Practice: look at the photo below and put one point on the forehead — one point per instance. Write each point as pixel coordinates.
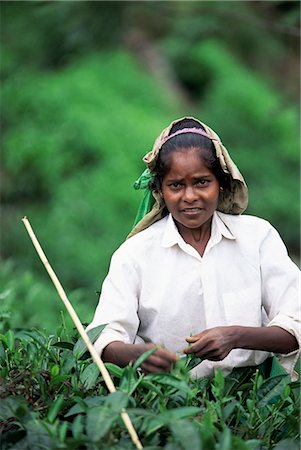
(187, 162)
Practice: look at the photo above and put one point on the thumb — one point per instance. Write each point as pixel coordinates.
(191, 339)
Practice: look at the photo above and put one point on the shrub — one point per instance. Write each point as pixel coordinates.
(53, 397)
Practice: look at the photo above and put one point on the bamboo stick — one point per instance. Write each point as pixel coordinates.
(96, 358)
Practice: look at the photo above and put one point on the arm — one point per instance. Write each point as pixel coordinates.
(118, 303)
(122, 354)
(216, 343)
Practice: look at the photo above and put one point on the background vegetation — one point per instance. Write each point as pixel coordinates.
(87, 86)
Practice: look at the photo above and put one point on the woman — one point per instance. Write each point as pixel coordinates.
(195, 276)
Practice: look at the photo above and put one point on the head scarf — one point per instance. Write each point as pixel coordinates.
(232, 200)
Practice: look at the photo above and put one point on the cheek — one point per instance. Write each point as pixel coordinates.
(216, 193)
(170, 199)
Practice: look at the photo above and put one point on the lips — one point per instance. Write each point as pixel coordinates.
(191, 210)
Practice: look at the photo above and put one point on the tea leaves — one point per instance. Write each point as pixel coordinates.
(53, 397)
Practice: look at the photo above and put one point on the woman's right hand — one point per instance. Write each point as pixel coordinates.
(122, 354)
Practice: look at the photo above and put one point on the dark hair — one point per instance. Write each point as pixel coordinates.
(185, 141)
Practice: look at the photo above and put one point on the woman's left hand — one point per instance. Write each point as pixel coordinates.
(213, 344)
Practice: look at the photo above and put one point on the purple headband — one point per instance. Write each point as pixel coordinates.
(188, 130)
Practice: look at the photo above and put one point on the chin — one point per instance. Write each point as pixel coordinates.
(192, 222)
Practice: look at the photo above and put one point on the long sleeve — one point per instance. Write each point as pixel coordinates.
(118, 303)
(280, 292)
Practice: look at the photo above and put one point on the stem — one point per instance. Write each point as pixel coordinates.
(255, 388)
(96, 358)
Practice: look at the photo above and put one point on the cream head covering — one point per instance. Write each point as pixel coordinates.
(232, 200)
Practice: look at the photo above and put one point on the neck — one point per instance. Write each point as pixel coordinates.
(196, 237)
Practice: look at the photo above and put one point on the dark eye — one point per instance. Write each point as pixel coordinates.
(202, 182)
(175, 185)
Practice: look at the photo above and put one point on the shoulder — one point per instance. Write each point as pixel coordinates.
(254, 234)
(144, 242)
(244, 222)
(252, 229)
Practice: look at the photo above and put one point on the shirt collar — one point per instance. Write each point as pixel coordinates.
(172, 236)
(221, 225)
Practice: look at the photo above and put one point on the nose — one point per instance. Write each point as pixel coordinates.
(190, 194)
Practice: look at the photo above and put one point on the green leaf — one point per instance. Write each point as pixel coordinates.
(80, 348)
(63, 427)
(229, 408)
(187, 434)
(143, 357)
(100, 419)
(58, 379)
(84, 404)
(89, 376)
(63, 344)
(287, 444)
(9, 406)
(55, 408)
(271, 388)
(10, 340)
(170, 416)
(219, 380)
(114, 369)
(55, 370)
(38, 436)
(169, 380)
(150, 386)
(77, 426)
(224, 440)
(99, 422)
(191, 361)
(130, 385)
(3, 339)
(129, 380)
(237, 443)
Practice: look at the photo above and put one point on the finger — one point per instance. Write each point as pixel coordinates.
(188, 350)
(152, 366)
(146, 369)
(212, 357)
(166, 355)
(215, 355)
(195, 348)
(164, 361)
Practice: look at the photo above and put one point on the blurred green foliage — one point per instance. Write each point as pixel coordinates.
(81, 107)
(72, 150)
(261, 132)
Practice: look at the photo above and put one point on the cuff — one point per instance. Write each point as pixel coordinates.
(289, 360)
(107, 337)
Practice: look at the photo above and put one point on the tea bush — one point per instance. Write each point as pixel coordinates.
(52, 397)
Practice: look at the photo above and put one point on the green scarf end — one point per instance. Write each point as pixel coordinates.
(143, 180)
(148, 200)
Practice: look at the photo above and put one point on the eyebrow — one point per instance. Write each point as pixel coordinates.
(207, 175)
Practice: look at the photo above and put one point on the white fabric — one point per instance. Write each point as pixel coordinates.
(159, 289)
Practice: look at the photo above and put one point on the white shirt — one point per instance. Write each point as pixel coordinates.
(159, 289)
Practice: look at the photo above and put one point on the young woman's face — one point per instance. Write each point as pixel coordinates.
(190, 190)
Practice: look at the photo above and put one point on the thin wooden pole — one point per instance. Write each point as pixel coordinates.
(96, 358)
